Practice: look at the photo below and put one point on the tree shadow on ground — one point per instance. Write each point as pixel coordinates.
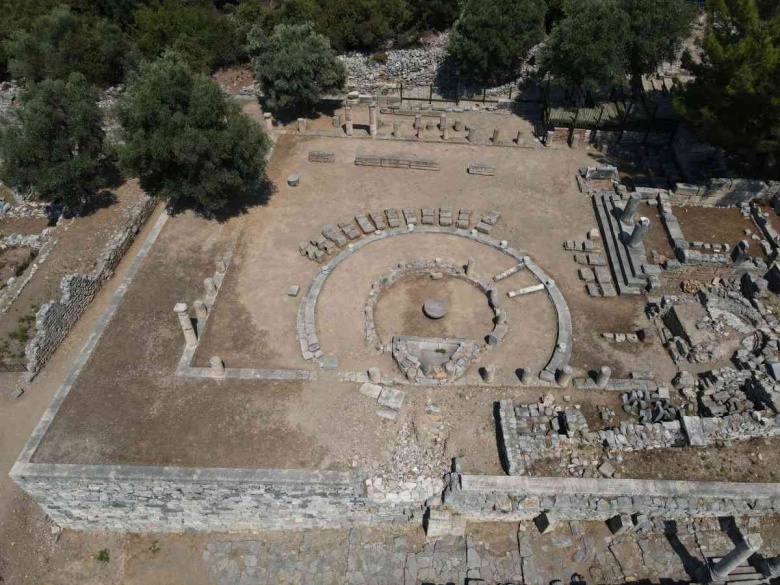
(257, 197)
(101, 200)
(325, 108)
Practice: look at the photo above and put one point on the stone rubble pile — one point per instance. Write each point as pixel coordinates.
(650, 406)
(23, 209)
(412, 67)
(720, 392)
(418, 67)
(32, 241)
(418, 453)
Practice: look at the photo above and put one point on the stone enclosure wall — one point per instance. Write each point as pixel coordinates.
(146, 499)
(171, 499)
(55, 319)
(511, 499)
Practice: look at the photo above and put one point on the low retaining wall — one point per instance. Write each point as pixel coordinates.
(513, 499)
(724, 192)
(55, 319)
(135, 498)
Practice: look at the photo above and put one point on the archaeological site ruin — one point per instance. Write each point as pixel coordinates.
(438, 318)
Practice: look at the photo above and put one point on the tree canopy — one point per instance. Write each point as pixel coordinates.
(733, 100)
(295, 65)
(57, 149)
(597, 42)
(203, 36)
(657, 31)
(183, 138)
(585, 48)
(491, 38)
(63, 42)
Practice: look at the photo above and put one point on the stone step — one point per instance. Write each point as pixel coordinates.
(626, 265)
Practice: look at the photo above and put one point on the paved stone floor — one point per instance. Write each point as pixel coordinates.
(489, 553)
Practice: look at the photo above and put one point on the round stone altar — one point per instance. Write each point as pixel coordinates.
(435, 308)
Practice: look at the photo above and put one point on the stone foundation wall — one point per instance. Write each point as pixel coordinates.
(512, 499)
(173, 499)
(723, 192)
(55, 319)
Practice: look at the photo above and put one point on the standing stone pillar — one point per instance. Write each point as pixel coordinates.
(564, 376)
(527, 377)
(496, 136)
(575, 140)
(190, 337)
(217, 367)
(738, 555)
(458, 126)
(472, 134)
(420, 129)
(374, 375)
(771, 567)
(739, 255)
(417, 121)
(220, 265)
(269, 122)
(201, 312)
(372, 123)
(630, 209)
(211, 287)
(603, 377)
(470, 267)
(445, 132)
(489, 373)
(442, 122)
(301, 125)
(337, 121)
(548, 141)
(520, 141)
(638, 235)
(348, 119)
(396, 128)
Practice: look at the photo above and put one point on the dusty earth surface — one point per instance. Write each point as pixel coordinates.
(149, 415)
(399, 310)
(715, 225)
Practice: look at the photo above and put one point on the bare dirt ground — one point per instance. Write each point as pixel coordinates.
(399, 309)
(149, 415)
(233, 79)
(656, 238)
(714, 225)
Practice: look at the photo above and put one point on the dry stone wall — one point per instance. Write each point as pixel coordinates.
(512, 499)
(173, 499)
(55, 319)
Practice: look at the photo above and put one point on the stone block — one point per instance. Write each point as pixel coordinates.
(371, 390)
(694, 431)
(391, 398)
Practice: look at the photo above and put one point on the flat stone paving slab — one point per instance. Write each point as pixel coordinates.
(391, 398)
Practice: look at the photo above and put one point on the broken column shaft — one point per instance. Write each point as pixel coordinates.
(190, 337)
(638, 235)
(738, 555)
(631, 206)
(603, 376)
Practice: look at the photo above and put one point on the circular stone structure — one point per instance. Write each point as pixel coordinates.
(307, 321)
(435, 308)
(293, 180)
